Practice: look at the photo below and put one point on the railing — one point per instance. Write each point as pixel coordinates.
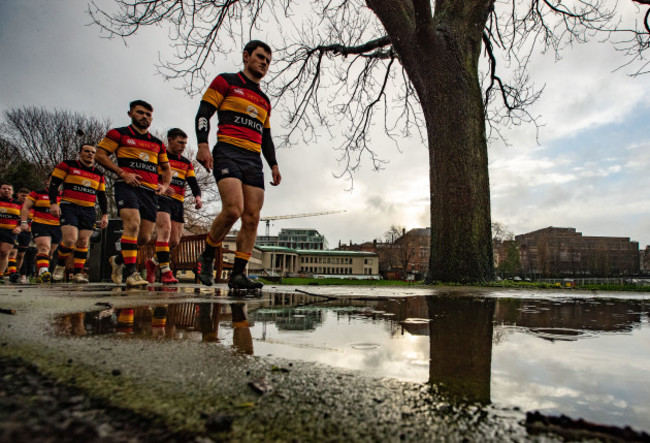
(184, 256)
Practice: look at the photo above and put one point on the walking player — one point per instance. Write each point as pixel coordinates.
(83, 186)
(138, 155)
(170, 217)
(9, 219)
(244, 131)
(45, 229)
(17, 254)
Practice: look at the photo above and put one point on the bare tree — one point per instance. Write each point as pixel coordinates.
(412, 65)
(44, 137)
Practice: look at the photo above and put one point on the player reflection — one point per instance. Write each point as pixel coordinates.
(208, 316)
(461, 347)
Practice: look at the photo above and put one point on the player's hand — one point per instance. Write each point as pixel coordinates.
(198, 203)
(24, 227)
(204, 156)
(162, 189)
(103, 222)
(55, 210)
(131, 179)
(277, 177)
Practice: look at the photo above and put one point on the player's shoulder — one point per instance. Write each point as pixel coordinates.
(155, 139)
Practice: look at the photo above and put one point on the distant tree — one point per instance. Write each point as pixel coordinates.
(21, 175)
(45, 137)
(500, 232)
(511, 265)
(413, 65)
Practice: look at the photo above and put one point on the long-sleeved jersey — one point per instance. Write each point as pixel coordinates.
(182, 173)
(82, 185)
(41, 208)
(244, 113)
(136, 153)
(9, 213)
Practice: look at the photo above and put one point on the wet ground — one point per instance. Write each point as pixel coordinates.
(313, 363)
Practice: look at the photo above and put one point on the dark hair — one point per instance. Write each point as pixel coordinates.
(6, 183)
(142, 103)
(81, 146)
(176, 132)
(252, 45)
(23, 191)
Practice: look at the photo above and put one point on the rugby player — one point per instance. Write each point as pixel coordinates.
(170, 218)
(138, 155)
(83, 187)
(9, 224)
(17, 254)
(45, 228)
(243, 133)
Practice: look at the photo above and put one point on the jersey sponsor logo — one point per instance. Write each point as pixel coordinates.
(142, 166)
(248, 122)
(251, 111)
(76, 172)
(174, 173)
(130, 141)
(3, 210)
(143, 156)
(86, 183)
(203, 124)
(178, 181)
(239, 91)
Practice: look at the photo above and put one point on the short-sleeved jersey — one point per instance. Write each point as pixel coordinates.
(136, 153)
(182, 169)
(41, 208)
(9, 213)
(244, 111)
(81, 183)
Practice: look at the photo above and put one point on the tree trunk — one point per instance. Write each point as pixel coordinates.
(440, 55)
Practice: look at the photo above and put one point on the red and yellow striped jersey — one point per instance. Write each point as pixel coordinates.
(80, 182)
(182, 170)
(41, 208)
(136, 153)
(9, 213)
(243, 110)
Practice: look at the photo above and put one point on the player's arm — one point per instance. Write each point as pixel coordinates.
(268, 151)
(196, 190)
(56, 180)
(166, 174)
(202, 129)
(24, 214)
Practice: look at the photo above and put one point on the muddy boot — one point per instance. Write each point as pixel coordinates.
(205, 270)
(240, 282)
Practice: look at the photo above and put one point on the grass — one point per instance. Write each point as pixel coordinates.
(494, 284)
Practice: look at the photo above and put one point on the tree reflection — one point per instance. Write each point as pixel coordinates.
(460, 333)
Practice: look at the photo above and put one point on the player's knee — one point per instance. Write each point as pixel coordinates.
(232, 213)
(143, 238)
(131, 227)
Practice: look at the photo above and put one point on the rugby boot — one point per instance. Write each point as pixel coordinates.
(205, 270)
(59, 274)
(14, 277)
(150, 268)
(135, 280)
(79, 278)
(167, 278)
(116, 273)
(45, 277)
(23, 279)
(240, 281)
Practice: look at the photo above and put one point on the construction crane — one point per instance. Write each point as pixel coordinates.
(284, 217)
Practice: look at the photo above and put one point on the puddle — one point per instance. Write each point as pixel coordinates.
(584, 358)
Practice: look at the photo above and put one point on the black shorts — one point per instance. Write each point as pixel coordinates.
(144, 200)
(81, 217)
(173, 207)
(23, 239)
(6, 236)
(231, 161)
(43, 230)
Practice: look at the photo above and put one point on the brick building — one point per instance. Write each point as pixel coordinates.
(564, 252)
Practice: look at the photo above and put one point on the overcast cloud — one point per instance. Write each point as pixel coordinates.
(588, 169)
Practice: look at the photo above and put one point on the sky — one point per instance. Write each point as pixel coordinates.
(586, 167)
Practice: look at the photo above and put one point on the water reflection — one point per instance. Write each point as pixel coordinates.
(586, 358)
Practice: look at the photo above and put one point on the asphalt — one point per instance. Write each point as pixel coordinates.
(204, 391)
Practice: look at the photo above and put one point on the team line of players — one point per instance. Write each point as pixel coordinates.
(150, 186)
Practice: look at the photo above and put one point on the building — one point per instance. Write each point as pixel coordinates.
(295, 239)
(564, 252)
(281, 261)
